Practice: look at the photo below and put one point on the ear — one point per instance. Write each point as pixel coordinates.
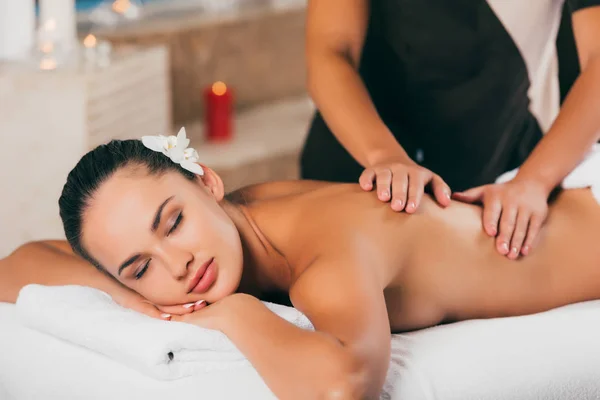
(213, 182)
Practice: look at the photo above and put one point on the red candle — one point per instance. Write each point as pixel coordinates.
(218, 100)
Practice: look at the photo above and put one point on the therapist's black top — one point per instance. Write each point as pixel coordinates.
(466, 86)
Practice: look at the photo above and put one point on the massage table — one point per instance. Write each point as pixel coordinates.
(551, 355)
(554, 355)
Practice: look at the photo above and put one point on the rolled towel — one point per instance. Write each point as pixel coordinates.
(161, 349)
(585, 175)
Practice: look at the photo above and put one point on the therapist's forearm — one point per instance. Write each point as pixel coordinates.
(572, 135)
(45, 264)
(346, 106)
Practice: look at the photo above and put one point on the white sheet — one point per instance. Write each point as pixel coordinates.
(550, 356)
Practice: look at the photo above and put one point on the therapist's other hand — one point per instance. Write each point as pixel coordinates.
(403, 184)
(513, 212)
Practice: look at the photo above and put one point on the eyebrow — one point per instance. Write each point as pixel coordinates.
(128, 262)
(158, 214)
(153, 228)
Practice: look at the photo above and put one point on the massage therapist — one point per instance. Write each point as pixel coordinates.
(449, 95)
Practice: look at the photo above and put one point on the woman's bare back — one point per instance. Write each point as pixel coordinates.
(455, 273)
(473, 281)
(436, 265)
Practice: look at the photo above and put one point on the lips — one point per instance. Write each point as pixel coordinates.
(203, 278)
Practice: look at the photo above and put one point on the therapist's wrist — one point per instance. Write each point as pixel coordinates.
(543, 184)
(388, 156)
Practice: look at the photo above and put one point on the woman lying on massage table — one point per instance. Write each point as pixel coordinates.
(356, 268)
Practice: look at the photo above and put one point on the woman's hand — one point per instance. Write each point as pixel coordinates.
(513, 212)
(404, 184)
(216, 315)
(136, 302)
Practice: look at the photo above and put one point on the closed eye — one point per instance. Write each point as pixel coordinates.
(176, 223)
(143, 270)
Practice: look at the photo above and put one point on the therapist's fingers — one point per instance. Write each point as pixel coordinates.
(523, 217)
(399, 190)
(441, 190)
(384, 183)
(508, 222)
(416, 187)
(492, 209)
(535, 224)
(470, 196)
(366, 179)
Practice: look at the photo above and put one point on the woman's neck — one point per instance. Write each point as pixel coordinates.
(265, 269)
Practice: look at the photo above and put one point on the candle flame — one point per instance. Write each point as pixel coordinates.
(121, 6)
(219, 88)
(47, 47)
(90, 41)
(48, 64)
(50, 25)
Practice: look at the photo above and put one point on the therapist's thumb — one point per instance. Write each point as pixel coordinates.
(366, 179)
(471, 195)
(441, 190)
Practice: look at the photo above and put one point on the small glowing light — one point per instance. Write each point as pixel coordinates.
(219, 88)
(50, 25)
(90, 41)
(47, 47)
(48, 64)
(121, 6)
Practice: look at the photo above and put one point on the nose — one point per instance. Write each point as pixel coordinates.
(176, 260)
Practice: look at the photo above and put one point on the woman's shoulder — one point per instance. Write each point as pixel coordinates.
(274, 190)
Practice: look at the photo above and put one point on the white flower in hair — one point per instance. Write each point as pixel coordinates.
(175, 147)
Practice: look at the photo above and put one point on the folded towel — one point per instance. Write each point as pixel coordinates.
(161, 349)
(585, 175)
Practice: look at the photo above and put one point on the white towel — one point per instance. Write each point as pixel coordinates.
(161, 349)
(585, 175)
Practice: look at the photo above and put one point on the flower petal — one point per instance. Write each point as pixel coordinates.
(176, 155)
(171, 142)
(154, 143)
(182, 140)
(191, 154)
(192, 167)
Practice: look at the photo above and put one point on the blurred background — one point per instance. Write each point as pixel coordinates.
(78, 73)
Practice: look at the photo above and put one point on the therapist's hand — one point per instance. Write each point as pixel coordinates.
(403, 184)
(513, 212)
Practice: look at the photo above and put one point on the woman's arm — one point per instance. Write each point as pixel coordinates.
(50, 263)
(53, 263)
(347, 357)
(335, 36)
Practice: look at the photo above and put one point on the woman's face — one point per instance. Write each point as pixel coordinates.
(165, 237)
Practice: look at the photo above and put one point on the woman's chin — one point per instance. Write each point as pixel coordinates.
(223, 288)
